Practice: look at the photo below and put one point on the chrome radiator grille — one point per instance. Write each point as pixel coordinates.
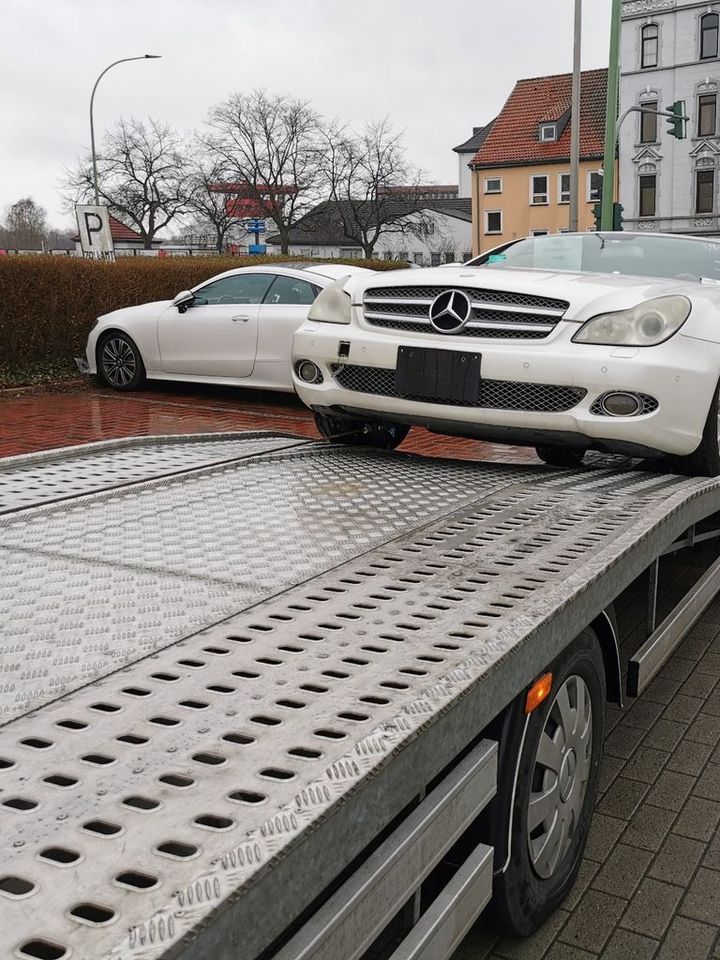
(495, 313)
(494, 394)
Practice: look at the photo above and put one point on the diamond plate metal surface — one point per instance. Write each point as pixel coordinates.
(139, 811)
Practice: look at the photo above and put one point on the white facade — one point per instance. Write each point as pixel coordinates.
(464, 174)
(680, 176)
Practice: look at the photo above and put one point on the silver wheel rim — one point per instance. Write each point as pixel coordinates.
(119, 362)
(559, 777)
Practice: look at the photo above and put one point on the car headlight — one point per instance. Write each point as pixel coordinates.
(332, 305)
(645, 325)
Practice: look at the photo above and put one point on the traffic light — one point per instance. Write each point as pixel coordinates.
(677, 124)
(617, 216)
(597, 213)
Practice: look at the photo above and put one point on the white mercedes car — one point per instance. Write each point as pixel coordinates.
(568, 343)
(234, 329)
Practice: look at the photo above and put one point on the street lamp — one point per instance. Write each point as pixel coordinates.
(146, 56)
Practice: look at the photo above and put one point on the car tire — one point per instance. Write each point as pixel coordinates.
(557, 456)
(566, 731)
(119, 362)
(705, 461)
(360, 433)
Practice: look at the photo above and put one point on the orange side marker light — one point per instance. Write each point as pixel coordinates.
(538, 692)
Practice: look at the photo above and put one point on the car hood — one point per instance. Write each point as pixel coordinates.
(587, 293)
(141, 311)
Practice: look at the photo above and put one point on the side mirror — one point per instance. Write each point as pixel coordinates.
(183, 300)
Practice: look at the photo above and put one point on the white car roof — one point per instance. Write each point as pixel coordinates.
(328, 271)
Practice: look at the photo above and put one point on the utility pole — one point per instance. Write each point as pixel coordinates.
(575, 124)
(608, 194)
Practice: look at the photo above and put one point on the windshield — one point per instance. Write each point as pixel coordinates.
(626, 254)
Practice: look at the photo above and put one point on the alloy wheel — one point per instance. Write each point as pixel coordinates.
(119, 362)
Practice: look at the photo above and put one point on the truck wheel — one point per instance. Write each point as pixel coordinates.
(119, 362)
(558, 456)
(360, 433)
(558, 766)
(705, 461)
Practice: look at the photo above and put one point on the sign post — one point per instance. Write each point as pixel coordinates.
(256, 227)
(96, 240)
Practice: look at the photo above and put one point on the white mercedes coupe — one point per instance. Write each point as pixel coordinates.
(234, 329)
(568, 343)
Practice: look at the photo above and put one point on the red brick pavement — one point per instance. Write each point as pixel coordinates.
(41, 420)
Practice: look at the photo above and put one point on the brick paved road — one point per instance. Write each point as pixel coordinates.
(650, 882)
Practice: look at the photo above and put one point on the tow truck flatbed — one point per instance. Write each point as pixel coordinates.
(226, 675)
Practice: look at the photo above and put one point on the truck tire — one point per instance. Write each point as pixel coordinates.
(705, 461)
(359, 433)
(549, 788)
(558, 456)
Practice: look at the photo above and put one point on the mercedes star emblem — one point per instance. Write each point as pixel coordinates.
(450, 311)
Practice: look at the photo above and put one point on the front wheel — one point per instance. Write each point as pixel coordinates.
(360, 433)
(558, 456)
(554, 754)
(705, 461)
(119, 362)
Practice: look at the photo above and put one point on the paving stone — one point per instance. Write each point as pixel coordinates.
(652, 907)
(588, 869)
(623, 741)
(623, 798)
(712, 855)
(604, 832)
(643, 714)
(698, 818)
(650, 828)
(677, 859)
(705, 729)
(689, 757)
(712, 702)
(626, 945)
(708, 784)
(696, 644)
(665, 734)
(683, 708)
(592, 921)
(534, 947)
(561, 951)
(661, 690)
(688, 940)
(710, 663)
(702, 901)
(611, 768)
(478, 944)
(677, 668)
(699, 684)
(671, 790)
(645, 764)
(623, 870)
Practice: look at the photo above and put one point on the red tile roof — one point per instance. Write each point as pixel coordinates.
(120, 232)
(515, 139)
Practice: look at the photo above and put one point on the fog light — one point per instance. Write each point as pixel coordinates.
(621, 404)
(308, 371)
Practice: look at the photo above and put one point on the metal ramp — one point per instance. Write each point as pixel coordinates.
(218, 687)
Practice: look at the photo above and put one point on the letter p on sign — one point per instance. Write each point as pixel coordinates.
(94, 230)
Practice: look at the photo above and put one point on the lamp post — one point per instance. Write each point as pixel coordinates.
(611, 118)
(146, 56)
(575, 123)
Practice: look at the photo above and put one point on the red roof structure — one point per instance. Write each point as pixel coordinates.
(119, 231)
(515, 137)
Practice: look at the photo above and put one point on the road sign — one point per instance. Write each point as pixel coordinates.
(96, 240)
(255, 226)
(257, 248)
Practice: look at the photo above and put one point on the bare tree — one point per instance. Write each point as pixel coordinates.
(25, 226)
(270, 147)
(211, 198)
(377, 190)
(143, 176)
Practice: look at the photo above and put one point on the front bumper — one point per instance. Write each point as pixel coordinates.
(680, 374)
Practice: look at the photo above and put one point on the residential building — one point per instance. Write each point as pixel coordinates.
(521, 172)
(670, 52)
(432, 232)
(466, 151)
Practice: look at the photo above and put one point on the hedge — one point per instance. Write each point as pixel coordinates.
(48, 304)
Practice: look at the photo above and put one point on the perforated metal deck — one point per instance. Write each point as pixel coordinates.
(178, 775)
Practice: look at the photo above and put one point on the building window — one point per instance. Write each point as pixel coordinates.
(434, 259)
(418, 258)
(538, 190)
(493, 185)
(467, 255)
(564, 188)
(704, 191)
(594, 186)
(539, 233)
(647, 195)
(449, 256)
(707, 112)
(548, 132)
(709, 36)
(648, 122)
(493, 221)
(649, 55)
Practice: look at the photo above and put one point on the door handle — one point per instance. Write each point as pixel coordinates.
(244, 317)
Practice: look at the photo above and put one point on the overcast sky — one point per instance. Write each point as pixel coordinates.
(435, 67)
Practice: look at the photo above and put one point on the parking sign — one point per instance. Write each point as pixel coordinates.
(96, 240)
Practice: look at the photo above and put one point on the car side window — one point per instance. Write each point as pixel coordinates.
(289, 290)
(243, 288)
